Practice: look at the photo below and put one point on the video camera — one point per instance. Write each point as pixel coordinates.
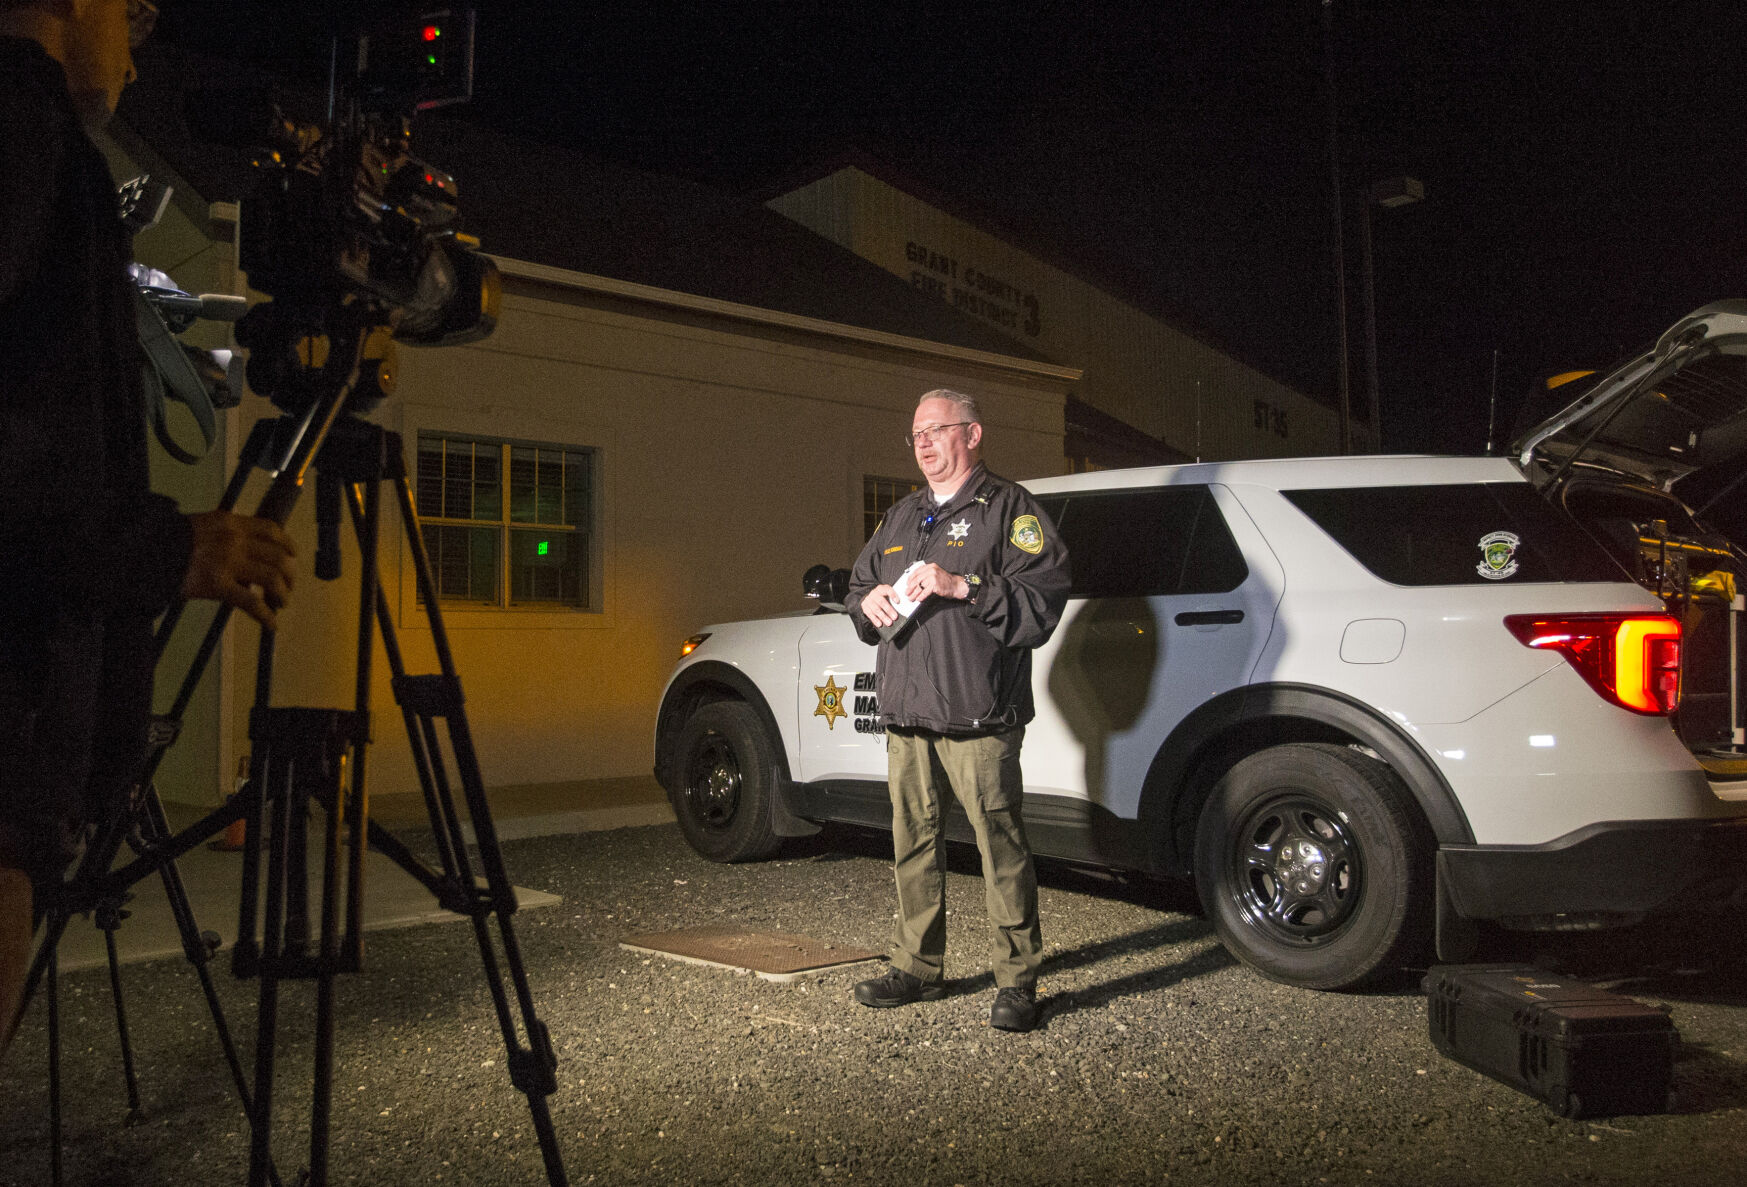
(345, 222)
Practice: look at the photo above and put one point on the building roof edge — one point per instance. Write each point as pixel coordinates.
(670, 298)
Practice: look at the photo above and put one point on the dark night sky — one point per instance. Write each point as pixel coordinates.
(1583, 162)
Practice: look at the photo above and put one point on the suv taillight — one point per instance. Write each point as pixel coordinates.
(1631, 659)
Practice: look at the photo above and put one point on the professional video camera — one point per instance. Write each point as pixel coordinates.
(344, 216)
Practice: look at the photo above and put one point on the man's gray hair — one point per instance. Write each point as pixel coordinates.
(967, 405)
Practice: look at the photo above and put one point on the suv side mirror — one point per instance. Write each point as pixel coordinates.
(830, 586)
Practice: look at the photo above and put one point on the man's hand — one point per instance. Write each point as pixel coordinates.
(877, 605)
(243, 560)
(932, 579)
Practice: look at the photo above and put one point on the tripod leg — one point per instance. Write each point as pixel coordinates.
(54, 926)
(321, 1107)
(272, 953)
(148, 832)
(84, 891)
(357, 802)
(198, 951)
(54, 916)
(55, 1169)
(246, 955)
(533, 1067)
(109, 918)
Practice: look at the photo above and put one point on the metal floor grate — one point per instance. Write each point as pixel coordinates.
(773, 955)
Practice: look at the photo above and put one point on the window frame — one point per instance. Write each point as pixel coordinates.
(505, 608)
(871, 514)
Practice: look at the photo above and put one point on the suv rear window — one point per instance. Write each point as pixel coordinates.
(1146, 543)
(1433, 535)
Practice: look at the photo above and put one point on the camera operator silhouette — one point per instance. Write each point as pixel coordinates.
(91, 556)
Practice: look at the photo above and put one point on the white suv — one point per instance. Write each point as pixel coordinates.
(1360, 701)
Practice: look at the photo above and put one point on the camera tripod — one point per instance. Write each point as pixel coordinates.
(303, 758)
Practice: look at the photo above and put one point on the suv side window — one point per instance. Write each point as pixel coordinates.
(1432, 535)
(1146, 543)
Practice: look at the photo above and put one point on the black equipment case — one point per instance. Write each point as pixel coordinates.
(1581, 1051)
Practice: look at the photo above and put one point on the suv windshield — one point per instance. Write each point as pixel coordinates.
(1467, 534)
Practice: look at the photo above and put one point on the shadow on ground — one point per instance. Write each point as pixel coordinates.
(840, 842)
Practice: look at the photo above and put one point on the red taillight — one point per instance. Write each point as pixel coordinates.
(1631, 659)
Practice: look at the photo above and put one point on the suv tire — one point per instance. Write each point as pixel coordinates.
(727, 781)
(1314, 865)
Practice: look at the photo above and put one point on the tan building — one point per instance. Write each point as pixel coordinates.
(1193, 399)
(667, 428)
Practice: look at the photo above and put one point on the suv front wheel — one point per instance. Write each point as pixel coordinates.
(1314, 866)
(727, 773)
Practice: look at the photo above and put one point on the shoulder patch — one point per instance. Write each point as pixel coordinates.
(1027, 534)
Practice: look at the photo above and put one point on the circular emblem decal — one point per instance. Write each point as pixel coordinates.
(1027, 534)
(1498, 555)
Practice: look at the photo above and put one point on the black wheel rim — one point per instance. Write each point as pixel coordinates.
(1296, 870)
(712, 785)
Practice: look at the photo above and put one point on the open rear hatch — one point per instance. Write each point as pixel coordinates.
(1650, 461)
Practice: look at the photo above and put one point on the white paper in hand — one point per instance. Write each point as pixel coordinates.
(903, 604)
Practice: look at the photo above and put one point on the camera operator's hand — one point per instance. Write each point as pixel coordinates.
(243, 560)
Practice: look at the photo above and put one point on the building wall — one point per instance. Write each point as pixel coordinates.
(1196, 399)
(731, 458)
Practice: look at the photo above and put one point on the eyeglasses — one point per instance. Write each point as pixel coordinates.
(142, 18)
(932, 433)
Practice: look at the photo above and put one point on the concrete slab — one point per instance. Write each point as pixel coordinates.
(547, 809)
(773, 955)
(213, 882)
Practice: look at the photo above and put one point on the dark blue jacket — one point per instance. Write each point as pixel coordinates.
(964, 667)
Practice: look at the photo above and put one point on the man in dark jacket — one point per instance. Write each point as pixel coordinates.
(90, 555)
(958, 584)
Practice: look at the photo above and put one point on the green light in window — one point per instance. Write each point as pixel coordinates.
(544, 547)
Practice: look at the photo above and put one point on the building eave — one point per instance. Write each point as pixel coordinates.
(710, 306)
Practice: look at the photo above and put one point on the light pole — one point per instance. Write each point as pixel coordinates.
(1389, 193)
(1340, 250)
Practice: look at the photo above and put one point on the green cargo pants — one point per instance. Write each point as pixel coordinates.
(983, 773)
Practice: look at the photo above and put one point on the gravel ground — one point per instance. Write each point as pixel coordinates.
(1159, 1058)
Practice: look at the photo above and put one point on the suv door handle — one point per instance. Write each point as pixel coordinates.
(1209, 617)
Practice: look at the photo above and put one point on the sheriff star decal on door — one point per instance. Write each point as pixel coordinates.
(830, 702)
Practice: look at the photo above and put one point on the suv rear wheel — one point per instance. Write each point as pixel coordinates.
(727, 772)
(1314, 866)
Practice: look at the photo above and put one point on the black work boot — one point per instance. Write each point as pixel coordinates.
(1014, 1009)
(897, 988)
